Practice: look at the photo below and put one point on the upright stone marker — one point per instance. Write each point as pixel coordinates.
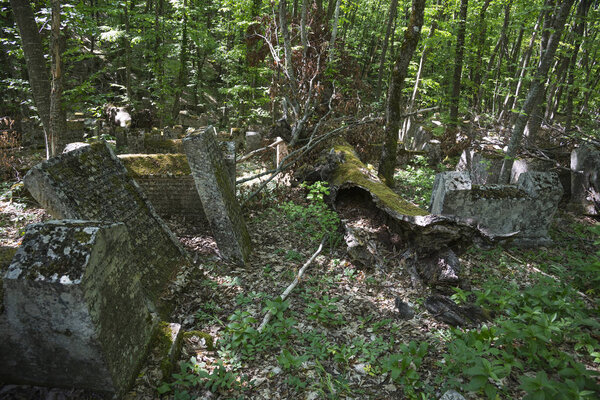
(91, 183)
(213, 182)
(74, 311)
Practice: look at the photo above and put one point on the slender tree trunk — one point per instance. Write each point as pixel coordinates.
(498, 50)
(303, 30)
(36, 63)
(482, 32)
(579, 29)
(183, 56)
(56, 91)
(426, 50)
(399, 72)
(513, 72)
(336, 19)
(450, 134)
(391, 16)
(536, 88)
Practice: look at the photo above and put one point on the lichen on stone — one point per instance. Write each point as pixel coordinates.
(156, 164)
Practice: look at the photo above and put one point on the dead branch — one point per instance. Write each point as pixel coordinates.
(297, 154)
(255, 152)
(292, 285)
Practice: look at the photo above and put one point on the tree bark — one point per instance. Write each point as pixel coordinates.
(391, 16)
(399, 72)
(336, 18)
(36, 64)
(450, 134)
(537, 87)
(482, 32)
(56, 91)
(183, 57)
(579, 29)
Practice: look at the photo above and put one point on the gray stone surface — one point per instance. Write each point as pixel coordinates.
(525, 209)
(74, 146)
(253, 141)
(230, 159)
(585, 180)
(74, 312)
(217, 194)
(483, 169)
(452, 395)
(91, 183)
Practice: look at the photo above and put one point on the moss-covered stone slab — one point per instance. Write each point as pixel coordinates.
(217, 194)
(91, 183)
(74, 310)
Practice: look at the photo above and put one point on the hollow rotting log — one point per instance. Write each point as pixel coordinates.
(365, 203)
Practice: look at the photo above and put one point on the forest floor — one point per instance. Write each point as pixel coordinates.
(339, 335)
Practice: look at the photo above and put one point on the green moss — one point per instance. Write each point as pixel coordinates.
(353, 171)
(202, 335)
(160, 145)
(161, 346)
(156, 164)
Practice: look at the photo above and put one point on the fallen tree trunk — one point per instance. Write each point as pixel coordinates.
(355, 185)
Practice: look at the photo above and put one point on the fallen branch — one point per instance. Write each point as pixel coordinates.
(253, 153)
(292, 285)
(297, 154)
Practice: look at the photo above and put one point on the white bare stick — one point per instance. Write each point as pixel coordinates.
(292, 285)
(253, 153)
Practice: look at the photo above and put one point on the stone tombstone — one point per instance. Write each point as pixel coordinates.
(525, 209)
(228, 148)
(74, 312)
(585, 180)
(91, 183)
(253, 141)
(213, 182)
(483, 169)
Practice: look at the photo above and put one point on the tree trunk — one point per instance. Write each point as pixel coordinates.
(182, 75)
(426, 50)
(579, 29)
(537, 87)
(127, 44)
(36, 64)
(481, 32)
(450, 134)
(303, 30)
(56, 91)
(334, 30)
(391, 16)
(399, 72)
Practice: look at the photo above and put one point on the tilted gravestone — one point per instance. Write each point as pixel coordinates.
(74, 311)
(525, 209)
(91, 183)
(217, 194)
(585, 180)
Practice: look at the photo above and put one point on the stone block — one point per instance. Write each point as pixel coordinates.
(74, 311)
(585, 180)
(525, 209)
(253, 141)
(91, 183)
(483, 169)
(213, 182)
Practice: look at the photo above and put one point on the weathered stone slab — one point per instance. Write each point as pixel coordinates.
(484, 169)
(217, 194)
(526, 208)
(167, 181)
(253, 141)
(585, 180)
(91, 183)
(74, 311)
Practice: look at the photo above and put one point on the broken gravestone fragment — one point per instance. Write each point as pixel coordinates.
(585, 180)
(217, 194)
(74, 311)
(405, 310)
(524, 210)
(253, 141)
(91, 183)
